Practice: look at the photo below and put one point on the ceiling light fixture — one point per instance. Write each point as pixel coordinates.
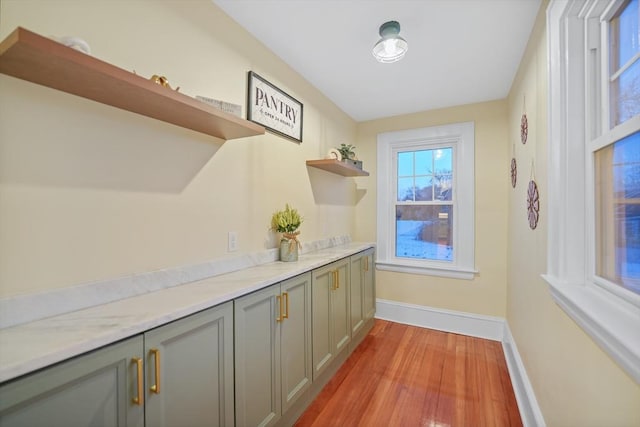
(391, 47)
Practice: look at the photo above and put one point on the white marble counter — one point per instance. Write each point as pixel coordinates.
(30, 346)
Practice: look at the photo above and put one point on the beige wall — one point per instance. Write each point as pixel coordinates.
(486, 293)
(575, 382)
(90, 192)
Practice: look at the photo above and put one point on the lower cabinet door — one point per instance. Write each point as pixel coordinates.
(340, 307)
(369, 285)
(189, 370)
(322, 285)
(257, 355)
(96, 389)
(295, 335)
(357, 293)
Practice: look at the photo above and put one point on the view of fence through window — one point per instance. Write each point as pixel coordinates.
(424, 204)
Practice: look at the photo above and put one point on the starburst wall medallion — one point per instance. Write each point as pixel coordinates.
(533, 204)
(524, 128)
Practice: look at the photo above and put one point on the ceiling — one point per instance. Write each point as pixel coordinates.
(460, 51)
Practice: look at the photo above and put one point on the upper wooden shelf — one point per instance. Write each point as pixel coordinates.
(338, 167)
(29, 56)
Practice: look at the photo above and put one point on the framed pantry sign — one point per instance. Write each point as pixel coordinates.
(274, 109)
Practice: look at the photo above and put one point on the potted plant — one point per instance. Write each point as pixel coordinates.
(349, 156)
(287, 222)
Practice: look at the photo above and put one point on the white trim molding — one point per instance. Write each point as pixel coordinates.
(608, 314)
(608, 322)
(457, 322)
(527, 403)
(474, 325)
(461, 138)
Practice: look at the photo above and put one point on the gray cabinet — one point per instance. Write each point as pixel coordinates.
(176, 375)
(272, 350)
(331, 328)
(97, 389)
(189, 371)
(362, 290)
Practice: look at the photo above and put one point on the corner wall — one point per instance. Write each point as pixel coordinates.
(575, 382)
(90, 192)
(486, 293)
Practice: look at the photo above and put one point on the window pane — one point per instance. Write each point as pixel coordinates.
(424, 162)
(424, 232)
(625, 36)
(424, 188)
(625, 94)
(405, 189)
(405, 164)
(618, 212)
(624, 74)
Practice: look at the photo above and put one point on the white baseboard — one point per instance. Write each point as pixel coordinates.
(528, 405)
(475, 325)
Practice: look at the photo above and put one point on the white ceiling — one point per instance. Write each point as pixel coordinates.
(460, 51)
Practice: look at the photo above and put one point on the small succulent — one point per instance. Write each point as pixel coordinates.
(346, 151)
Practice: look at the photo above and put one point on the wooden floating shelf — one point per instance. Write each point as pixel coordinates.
(29, 56)
(337, 167)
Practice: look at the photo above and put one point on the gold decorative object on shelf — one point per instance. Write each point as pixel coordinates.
(162, 81)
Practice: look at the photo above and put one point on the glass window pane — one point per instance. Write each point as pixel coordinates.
(424, 162)
(618, 212)
(444, 187)
(405, 163)
(405, 189)
(424, 232)
(443, 160)
(424, 188)
(625, 36)
(625, 94)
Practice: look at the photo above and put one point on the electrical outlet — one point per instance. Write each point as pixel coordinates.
(232, 242)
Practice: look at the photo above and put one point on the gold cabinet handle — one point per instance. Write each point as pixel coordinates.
(285, 295)
(334, 280)
(139, 399)
(337, 279)
(156, 355)
(279, 299)
(366, 263)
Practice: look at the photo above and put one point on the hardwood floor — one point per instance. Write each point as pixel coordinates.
(408, 376)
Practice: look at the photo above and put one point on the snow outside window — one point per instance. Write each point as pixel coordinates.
(426, 201)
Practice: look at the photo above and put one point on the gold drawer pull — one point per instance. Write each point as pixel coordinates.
(280, 317)
(139, 399)
(285, 295)
(156, 355)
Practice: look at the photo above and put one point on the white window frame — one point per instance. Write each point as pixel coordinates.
(578, 107)
(461, 137)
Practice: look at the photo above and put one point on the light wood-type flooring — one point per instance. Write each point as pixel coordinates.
(409, 376)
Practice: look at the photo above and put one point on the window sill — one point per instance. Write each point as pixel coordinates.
(452, 273)
(613, 324)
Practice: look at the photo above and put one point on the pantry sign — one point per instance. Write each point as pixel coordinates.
(274, 109)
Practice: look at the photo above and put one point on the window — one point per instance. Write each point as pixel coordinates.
(593, 266)
(426, 201)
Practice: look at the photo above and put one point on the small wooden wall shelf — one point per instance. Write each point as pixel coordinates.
(337, 167)
(29, 56)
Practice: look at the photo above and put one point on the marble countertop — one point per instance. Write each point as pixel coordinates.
(38, 344)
